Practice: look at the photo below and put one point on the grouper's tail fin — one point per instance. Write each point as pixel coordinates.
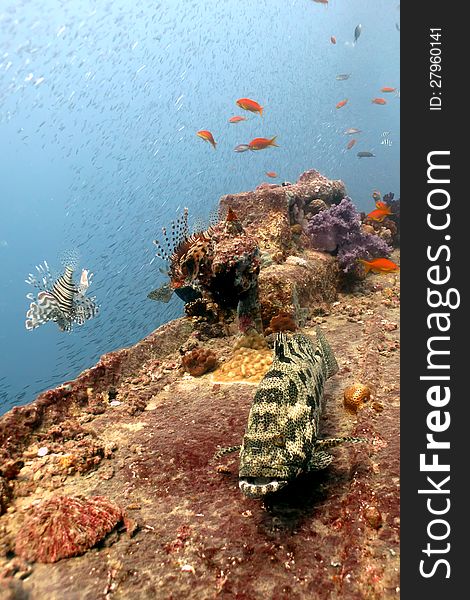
(327, 352)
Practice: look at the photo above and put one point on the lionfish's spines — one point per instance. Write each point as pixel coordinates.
(161, 252)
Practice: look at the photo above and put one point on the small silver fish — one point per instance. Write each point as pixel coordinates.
(343, 76)
(352, 131)
(365, 154)
(241, 148)
(357, 32)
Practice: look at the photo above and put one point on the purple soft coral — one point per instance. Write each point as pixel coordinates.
(339, 228)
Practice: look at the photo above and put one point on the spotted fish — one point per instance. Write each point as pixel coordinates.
(184, 252)
(59, 300)
(282, 436)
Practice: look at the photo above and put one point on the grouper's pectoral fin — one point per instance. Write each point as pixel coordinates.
(319, 460)
(333, 442)
(223, 451)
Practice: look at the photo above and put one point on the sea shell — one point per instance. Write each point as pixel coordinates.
(66, 526)
(356, 395)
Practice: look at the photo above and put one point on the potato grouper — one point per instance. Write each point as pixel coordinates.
(281, 439)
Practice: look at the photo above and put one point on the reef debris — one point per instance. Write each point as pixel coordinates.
(66, 526)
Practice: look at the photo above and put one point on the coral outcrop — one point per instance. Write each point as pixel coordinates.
(298, 286)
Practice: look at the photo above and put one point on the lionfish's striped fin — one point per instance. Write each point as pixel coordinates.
(64, 291)
(84, 308)
(44, 310)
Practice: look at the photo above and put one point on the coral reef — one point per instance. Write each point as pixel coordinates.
(355, 396)
(338, 230)
(55, 406)
(250, 339)
(199, 361)
(65, 526)
(272, 213)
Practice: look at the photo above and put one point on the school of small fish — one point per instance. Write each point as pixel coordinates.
(70, 107)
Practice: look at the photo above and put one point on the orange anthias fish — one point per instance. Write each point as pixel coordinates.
(236, 119)
(379, 101)
(379, 265)
(250, 105)
(333, 39)
(342, 103)
(388, 90)
(272, 174)
(207, 136)
(382, 210)
(261, 143)
(351, 144)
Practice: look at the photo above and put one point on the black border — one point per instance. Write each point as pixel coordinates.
(423, 131)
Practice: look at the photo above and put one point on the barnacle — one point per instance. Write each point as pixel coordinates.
(356, 395)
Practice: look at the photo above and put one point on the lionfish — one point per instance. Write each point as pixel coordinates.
(60, 299)
(185, 253)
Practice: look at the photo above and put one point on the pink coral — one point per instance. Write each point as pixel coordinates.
(66, 526)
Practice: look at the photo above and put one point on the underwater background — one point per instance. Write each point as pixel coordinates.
(100, 103)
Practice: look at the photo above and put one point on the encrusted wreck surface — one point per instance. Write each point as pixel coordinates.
(138, 431)
(333, 534)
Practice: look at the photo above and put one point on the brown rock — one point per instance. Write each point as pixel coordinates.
(298, 288)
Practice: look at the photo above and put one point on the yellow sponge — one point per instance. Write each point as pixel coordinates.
(247, 365)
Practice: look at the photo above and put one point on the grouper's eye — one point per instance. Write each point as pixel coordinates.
(279, 441)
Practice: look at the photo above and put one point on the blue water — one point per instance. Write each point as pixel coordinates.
(99, 106)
